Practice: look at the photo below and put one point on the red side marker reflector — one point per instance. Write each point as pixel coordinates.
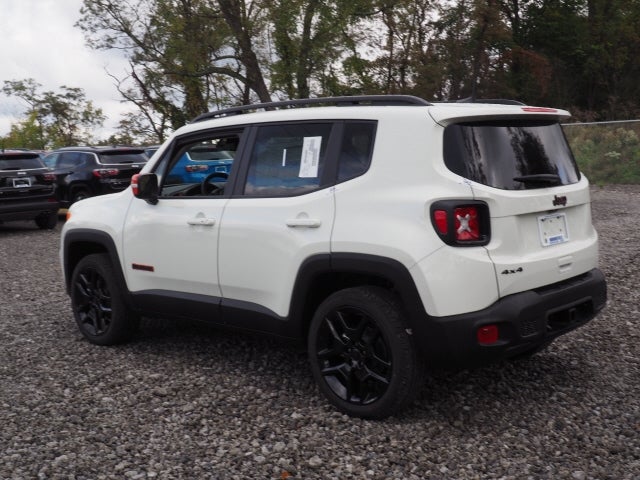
(488, 334)
(440, 218)
(144, 268)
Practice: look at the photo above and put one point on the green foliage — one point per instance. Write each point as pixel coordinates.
(53, 119)
(607, 153)
(189, 56)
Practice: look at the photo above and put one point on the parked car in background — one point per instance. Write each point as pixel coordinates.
(198, 163)
(150, 150)
(83, 172)
(27, 189)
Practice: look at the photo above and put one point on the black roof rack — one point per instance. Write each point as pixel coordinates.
(497, 101)
(383, 100)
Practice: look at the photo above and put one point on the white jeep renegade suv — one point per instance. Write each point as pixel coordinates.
(385, 231)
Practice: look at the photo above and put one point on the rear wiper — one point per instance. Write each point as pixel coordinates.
(550, 178)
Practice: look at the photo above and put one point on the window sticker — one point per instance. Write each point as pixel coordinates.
(310, 157)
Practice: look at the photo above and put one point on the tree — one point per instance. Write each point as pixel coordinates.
(310, 39)
(185, 55)
(54, 119)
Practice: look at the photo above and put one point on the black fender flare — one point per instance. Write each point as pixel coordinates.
(387, 270)
(81, 242)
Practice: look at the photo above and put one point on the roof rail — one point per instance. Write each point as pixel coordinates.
(497, 101)
(385, 100)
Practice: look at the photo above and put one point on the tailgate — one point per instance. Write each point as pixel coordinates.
(540, 237)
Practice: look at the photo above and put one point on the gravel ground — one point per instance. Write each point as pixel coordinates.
(186, 401)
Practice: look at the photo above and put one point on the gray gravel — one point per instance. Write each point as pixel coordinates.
(186, 401)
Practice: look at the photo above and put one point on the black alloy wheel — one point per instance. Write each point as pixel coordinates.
(362, 355)
(79, 194)
(98, 305)
(355, 357)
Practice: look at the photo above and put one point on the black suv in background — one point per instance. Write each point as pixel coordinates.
(27, 189)
(83, 172)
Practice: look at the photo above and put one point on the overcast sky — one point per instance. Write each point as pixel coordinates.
(39, 41)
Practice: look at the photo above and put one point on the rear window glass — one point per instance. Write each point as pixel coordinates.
(513, 155)
(20, 162)
(130, 156)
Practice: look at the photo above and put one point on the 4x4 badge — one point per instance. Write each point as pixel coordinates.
(509, 272)
(557, 201)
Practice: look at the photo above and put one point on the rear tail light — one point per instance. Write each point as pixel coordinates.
(196, 168)
(106, 172)
(461, 223)
(134, 184)
(49, 177)
(466, 224)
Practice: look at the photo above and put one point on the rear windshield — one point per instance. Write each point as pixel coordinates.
(20, 162)
(510, 155)
(128, 156)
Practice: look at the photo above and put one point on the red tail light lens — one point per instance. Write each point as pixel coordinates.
(106, 172)
(466, 224)
(440, 221)
(462, 223)
(134, 184)
(49, 177)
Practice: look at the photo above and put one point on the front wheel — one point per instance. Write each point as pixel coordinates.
(362, 354)
(47, 221)
(98, 304)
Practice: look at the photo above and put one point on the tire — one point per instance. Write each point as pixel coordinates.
(47, 221)
(362, 355)
(79, 194)
(98, 303)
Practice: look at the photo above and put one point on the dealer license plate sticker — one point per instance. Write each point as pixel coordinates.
(553, 229)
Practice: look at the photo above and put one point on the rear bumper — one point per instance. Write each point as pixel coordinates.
(525, 321)
(26, 210)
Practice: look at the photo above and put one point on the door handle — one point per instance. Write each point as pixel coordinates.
(202, 221)
(304, 222)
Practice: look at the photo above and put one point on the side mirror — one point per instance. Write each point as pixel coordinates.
(145, 187)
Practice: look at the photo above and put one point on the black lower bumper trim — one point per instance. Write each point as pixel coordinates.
(525, 322)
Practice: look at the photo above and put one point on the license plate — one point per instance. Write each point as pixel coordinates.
(21, 182)
(553, 229)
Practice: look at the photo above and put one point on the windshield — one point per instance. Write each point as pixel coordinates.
(131, 156)
(20, 162)
(511, 155)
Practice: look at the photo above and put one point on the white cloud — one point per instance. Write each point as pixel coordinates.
(40, 41)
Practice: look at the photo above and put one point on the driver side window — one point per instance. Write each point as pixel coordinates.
(200, 167)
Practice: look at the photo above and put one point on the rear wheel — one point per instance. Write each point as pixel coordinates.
(79, 194)
(362, 354)
(98, 303)
(47, 221)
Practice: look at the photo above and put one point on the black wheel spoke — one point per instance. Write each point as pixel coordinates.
(93, 301)
(353, 356)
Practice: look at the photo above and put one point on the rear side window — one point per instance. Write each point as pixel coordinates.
(356, 150)
(287, 159)
(74, 159)
(510, 155)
